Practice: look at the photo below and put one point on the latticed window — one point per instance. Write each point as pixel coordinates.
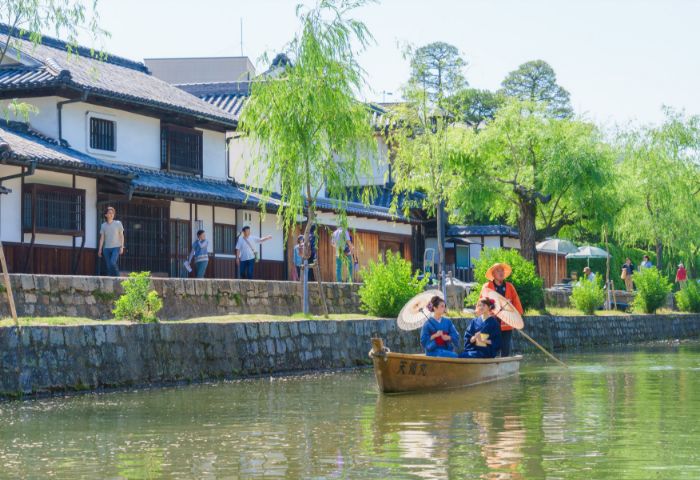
(224, 239)
(103, 134)
(51, 209)
(181, 149)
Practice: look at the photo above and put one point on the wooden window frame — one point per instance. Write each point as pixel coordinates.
(29, 224)
(88, 139)
(218, 250)
(166, 131)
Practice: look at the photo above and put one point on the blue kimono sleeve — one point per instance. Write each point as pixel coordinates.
(454, 336)
(425, 340)
(469, 333)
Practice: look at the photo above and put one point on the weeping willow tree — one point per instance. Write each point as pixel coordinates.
(310, 134)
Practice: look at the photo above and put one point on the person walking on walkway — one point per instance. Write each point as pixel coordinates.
(111, 242)
(200, 253)
(299, 256)
(344, 252)
(646, 263)
(496, 276)
(681, 275)
(627, 273)
(246, 254)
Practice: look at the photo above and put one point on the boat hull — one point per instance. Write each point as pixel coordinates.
(402, 372)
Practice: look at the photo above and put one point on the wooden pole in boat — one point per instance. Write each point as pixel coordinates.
(542, 348)
(8, 286)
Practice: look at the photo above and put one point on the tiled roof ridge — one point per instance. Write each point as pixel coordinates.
(214, 181)
(80, 50)
(24, 127)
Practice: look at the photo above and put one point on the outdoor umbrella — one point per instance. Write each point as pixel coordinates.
(557, 247)
(415, 313)
(589, 252)
(507, 313)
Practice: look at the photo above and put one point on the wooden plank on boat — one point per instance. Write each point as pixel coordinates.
(403, 372)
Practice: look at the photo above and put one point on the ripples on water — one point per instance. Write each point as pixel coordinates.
(623, 415)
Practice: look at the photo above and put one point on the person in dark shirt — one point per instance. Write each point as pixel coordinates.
(483, 336)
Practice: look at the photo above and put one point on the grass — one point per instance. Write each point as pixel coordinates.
(66, 321)
(242, 317)
(53, 321)
(237, 318)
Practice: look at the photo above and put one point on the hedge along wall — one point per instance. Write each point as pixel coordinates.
(47, 359)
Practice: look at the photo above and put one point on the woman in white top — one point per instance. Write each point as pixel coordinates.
(246, 253)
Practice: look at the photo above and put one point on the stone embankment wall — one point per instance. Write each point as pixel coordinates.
(46, 359)
(93, 297)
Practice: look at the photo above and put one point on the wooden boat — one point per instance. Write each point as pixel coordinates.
(403, 372)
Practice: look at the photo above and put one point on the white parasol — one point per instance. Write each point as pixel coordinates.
(505, 310)
(415, 313)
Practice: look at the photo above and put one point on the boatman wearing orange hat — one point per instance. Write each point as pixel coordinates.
(497, 275)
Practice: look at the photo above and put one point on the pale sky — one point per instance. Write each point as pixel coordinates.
(621, 60)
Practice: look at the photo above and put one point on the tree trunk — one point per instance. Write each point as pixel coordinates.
(528, 232)
(441, 246)
(659, 255)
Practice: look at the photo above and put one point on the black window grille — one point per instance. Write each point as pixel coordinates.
(181, 149)
(224, 239)
(51, 209)
(103, 134)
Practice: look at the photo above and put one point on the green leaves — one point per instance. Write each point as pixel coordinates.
(588, 296)
(523, 278)
(388, 286)
(312, 134)
(138, 303)
(652, 290)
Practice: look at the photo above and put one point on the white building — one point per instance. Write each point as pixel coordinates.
(107, 132)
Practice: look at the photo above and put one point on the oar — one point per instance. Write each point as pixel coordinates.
(542, 348)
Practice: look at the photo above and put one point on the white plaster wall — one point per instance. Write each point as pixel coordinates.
(180, 211)
(511, 242)
(492, 242)
(369, 224)
(11, 207)
(240, 154)
(225, 216)
(475, 252)
(214, 154)
(273, 249)
(138, 136)
(45, 120)
(379, 164)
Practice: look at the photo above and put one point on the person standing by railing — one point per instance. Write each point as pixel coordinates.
(111, 242)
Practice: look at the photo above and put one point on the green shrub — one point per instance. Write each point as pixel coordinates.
(688, 298)
(587, 296)
(524, 279)
(652, 290)
(137, 303)
(388, 286)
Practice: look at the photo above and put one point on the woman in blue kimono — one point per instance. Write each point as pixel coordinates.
(439, 336)
(483, 337)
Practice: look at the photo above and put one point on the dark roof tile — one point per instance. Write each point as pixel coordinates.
(113, 77)
(478, 230)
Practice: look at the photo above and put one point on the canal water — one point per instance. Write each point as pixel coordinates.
(623, 414)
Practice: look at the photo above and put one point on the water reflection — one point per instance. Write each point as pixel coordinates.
(630, 414)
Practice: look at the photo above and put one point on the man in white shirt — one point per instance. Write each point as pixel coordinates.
(246, 253)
